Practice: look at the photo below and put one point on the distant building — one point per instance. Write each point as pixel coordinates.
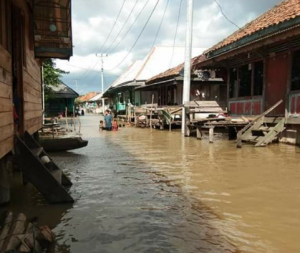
(58, 98)
(123, 90)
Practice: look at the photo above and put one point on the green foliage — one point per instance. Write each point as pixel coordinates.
(52, 76)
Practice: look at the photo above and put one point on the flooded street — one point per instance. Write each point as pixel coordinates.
(138, 191)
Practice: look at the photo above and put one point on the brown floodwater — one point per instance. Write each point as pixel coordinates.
(138, 191)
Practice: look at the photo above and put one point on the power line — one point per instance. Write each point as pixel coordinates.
(115, 39)
(122, 39)
(178, 18)
(138, 36)
(95, 71)
(112, 27)
(120, 11)
(160, 25)
(221, 9)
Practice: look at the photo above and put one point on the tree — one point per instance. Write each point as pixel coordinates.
(52, 76)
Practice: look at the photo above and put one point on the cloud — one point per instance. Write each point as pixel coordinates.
(93, 20)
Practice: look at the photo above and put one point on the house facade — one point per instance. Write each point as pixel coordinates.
(205, 86)
(262, 61)
(29, 32)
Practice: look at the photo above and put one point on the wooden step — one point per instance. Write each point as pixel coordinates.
(38, 174)
(37, 151)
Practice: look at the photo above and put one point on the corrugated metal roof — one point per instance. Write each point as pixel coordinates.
(62, 91)
(88, 96)
(157, 61)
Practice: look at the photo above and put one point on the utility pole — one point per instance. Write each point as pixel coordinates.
(76, 85)
(102, 79)
(187, 65)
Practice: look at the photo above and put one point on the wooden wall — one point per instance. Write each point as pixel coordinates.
(32, 98)
(6, 104)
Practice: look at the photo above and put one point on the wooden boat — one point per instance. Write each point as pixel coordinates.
(63, 144)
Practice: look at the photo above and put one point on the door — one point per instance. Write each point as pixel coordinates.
(277, 80)
(17, 33)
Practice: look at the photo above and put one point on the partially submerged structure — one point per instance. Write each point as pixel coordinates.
(262, 64)
(205, 86)
(124, 90)
(29, 32)
(60, 98)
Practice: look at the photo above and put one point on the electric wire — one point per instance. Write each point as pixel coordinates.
(137, 37)
(116, 37)
(225, 16)
(125, 35)
(112, 27)
(160, 25)
(176, 32)
(99, 50)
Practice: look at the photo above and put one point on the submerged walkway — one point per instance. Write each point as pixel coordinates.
(142, 192)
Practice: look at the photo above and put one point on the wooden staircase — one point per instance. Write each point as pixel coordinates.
(40, 170)
(259, 133)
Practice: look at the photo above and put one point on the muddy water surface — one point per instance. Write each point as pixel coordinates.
(138, 191)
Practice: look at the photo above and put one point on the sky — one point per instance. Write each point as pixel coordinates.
(93, 20)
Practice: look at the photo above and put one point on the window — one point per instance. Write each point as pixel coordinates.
(233, 83)
(258, 78)
(245, 80)
(295, 80)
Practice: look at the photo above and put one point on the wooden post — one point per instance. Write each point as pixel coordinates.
(74, 119)
(211, 135)
(151, 112)
(4, 182)
(66, 115)
(199, 133)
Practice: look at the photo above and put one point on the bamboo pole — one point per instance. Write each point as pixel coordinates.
(66, 115)
(151, 113)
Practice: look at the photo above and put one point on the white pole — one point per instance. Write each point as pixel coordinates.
(102, 86)
(188, 57)
(76, 84)
(102, 80)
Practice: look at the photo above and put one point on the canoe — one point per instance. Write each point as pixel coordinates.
(63, 144)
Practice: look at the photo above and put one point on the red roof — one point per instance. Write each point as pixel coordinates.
(286, 10)
(88, 96)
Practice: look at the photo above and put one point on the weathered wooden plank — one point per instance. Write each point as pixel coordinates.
(6, 105)
(6, 118)
(33, 71)
(31, 90)
(5, 76)
(6, 132)
(30, 81)
(28, 106)
(5, 90)
(33, 99)
(34, 128)
(5, 59)
(6, 146)
(32, 114)
(40, 177)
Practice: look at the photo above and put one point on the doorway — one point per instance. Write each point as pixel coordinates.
(18, 60)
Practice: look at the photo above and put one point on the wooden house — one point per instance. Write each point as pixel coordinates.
(205, 86)
(58, 99)
(124, 90)
(262, 62)
(29, 32)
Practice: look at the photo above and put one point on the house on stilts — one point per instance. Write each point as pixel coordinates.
(30, 31)
(262, 64)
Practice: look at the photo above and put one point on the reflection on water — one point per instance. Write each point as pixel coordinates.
(142, 192)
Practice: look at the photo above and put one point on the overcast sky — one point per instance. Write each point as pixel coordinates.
(94, 19)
